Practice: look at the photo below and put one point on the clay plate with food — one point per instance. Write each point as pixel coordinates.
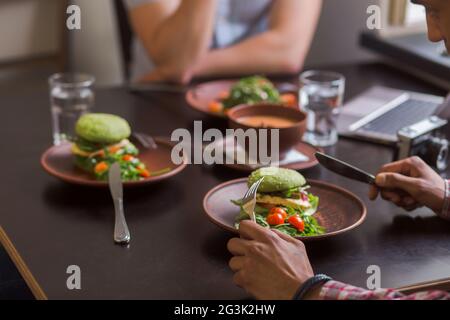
(102, 140)
(286, 201)
(216, 98)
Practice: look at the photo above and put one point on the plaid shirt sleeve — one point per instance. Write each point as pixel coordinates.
(334, 290)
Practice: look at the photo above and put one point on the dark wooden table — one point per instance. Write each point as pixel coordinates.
(176, 253)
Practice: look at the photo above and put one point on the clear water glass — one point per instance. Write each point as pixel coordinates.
(71, 95)
(321, 96)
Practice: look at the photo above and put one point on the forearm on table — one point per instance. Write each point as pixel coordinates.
(181, 39)
(281, 49)
(266, 53)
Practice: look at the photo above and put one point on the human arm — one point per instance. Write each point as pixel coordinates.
(281, 49)
(272, 265)
(175, 34)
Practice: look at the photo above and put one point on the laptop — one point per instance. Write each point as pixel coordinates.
(379, 113)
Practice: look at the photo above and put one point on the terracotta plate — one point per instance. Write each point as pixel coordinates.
(201, 95)
(303, 147)
(58, 161)
(339, 210)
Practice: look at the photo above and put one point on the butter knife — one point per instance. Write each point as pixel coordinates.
(121, 232)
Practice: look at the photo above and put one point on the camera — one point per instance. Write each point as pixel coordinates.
(423, 140)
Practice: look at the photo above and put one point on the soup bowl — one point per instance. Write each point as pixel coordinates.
(290, 122)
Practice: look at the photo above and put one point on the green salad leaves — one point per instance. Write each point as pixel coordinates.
(311, 226)
(252, 90)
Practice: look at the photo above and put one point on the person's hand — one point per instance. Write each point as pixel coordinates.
(410, 183)
(268, 264)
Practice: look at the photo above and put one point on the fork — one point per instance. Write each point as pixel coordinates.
(147, 141)
(249, 199)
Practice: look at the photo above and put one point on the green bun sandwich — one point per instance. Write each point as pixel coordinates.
(282, 203)
(101, 128)
(276, 179)
(280, 187)
(100, 138)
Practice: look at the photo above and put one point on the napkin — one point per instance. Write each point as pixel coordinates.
(293, 156)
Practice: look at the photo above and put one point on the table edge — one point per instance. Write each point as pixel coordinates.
(30, 280)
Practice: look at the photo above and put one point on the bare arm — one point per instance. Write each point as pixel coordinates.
(281, 49)
(175, 33)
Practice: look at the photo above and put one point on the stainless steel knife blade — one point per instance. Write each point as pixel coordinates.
(344, 169)
(115, 181)
(121, 232)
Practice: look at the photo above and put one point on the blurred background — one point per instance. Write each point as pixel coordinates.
(38, 43)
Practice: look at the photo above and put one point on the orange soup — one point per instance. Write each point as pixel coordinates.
(267, 122)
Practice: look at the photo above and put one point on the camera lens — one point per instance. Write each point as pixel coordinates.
(437, 153)
(442, 160)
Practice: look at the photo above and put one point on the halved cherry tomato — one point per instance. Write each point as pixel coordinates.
(289, 99)
(297, 222)
(224, 95)
(278, 210)
(101, 167)
(144, 173)
(275, 219)
(215, 106)
(127, 157)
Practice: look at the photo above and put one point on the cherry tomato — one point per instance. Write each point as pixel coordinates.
(289, 99)
(101, 167)
(224, 95)
(278, 210)
(297, 222)
(144, 173)
(275, 219)
(114, 149)
(127, 157)
(215, 106)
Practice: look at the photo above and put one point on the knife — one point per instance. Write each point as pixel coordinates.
(121, 232)
(344, 169)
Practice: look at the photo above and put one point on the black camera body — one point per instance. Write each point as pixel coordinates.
(423, 140)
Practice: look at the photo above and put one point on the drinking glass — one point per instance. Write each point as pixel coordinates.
(321, 95)
(71, 95)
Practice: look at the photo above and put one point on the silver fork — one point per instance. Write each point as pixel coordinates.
(147, 141)
(249, 199)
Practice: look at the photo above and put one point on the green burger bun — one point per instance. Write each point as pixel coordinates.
(101, 129)
(276, 179)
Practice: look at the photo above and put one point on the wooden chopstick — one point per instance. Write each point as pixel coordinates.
(442, 284)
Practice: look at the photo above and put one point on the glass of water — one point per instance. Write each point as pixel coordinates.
(71, 95)
(321, 96)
